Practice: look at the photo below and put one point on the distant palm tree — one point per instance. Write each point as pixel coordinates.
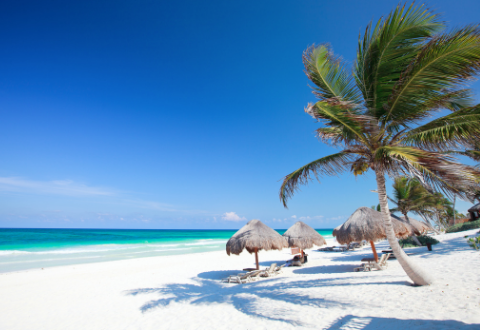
(411, 196)
(406, 69)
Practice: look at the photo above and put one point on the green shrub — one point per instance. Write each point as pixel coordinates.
(424, 239)
(463, 226)
(407, 242)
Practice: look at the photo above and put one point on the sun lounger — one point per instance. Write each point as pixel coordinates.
(370, 263)
(326, 248)
(269, 271)
(340, 248)
(278, 270)
(354, 245)
(392, 256)
(243, 277)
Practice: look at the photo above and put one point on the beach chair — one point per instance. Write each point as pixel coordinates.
(269, 271)
(340, 248)
(278, 270)
(326, 248)
(370, 263)
(353, 246)
(243, 277)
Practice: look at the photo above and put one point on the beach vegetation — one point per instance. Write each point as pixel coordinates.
(423, 239)
(384, 116)
(474, 242)
(463, 226)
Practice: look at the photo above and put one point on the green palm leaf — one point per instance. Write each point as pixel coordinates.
(437, 171)
(329, 165)
(444, 62)
(330, 75)
(459, 127)
(387, 48)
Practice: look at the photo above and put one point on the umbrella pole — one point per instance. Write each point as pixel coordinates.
(375, 255)
(256, 258)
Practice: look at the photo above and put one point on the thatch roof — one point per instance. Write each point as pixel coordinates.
(367, 224)
(255, 235)
(474, 208)
(303, 236)
(418, 227)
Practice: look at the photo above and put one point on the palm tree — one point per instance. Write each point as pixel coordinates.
(406, 69)
(411, 196)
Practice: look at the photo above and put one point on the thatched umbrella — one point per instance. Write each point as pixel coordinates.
(367, 224)
(418, 227)
(303, 236)
(253, 237)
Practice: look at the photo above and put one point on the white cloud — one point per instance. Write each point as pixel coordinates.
(294, 216)
(57, 187)
(232, 216)
(151, 205)
(307, 218)
(340, 217)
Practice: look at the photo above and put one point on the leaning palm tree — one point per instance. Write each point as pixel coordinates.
(407, 67)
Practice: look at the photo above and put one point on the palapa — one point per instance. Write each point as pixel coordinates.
(303, 236)
(418, 227)
(253, 237)
(367, 224)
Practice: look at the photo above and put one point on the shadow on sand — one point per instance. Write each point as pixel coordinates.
(352, 322)
(207, 289)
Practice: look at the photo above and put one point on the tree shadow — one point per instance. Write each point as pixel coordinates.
(268, 263)
(242, 297)
(370, 323)
(327, 269)
(207, 289)
(353, 257)
(218, 274)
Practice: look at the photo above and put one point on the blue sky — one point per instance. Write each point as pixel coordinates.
(171, 114)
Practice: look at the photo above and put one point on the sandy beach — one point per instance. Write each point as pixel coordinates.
(185, 292)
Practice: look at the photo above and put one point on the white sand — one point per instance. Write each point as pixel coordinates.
(184, 292)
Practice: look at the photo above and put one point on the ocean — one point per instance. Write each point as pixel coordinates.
(23, 249)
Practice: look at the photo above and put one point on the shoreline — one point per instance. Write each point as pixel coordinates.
(23, 249)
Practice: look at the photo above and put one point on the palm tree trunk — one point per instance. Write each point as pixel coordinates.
(414, 238)
(416, 274)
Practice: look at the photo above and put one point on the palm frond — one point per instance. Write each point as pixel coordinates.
(330, 165)
(350, 123)
(387, 48)
(331, 78)
(459, 127)
(453, 100)
(444, 62)
(437, 172)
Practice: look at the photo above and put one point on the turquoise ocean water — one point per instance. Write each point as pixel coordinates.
(22, 249)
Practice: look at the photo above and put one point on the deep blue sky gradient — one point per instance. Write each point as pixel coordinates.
(164, 114)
